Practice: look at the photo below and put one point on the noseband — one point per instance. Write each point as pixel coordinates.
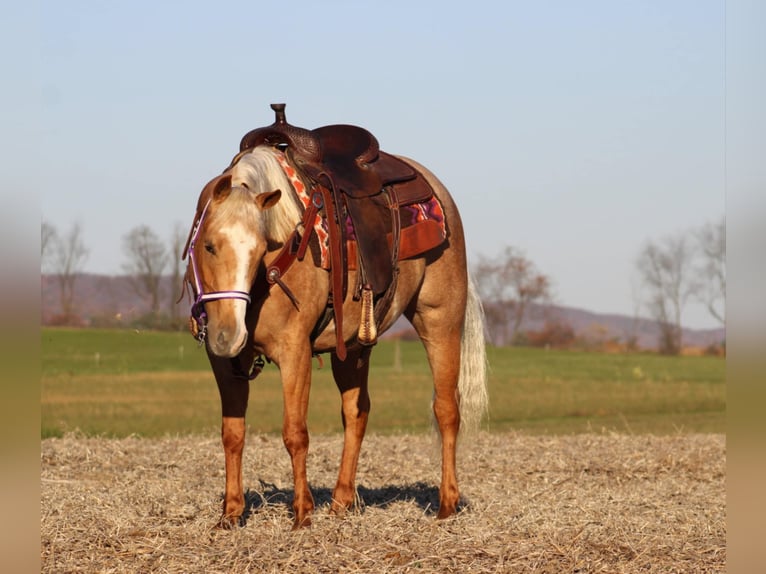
(199, 316)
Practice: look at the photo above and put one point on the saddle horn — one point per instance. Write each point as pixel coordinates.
(282, 133)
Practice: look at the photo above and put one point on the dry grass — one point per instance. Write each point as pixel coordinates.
(585, 503)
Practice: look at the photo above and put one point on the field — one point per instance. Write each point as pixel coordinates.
(589, 463)
(120, 383)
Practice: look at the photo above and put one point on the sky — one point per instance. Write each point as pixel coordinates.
(574, 131)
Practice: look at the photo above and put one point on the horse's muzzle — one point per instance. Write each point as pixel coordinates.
(224, 346)
(227, 343)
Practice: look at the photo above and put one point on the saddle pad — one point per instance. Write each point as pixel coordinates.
(423, 229)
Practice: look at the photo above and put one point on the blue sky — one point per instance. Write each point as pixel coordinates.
(572, 130)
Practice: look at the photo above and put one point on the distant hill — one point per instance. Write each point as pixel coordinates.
(112, 301)
(106, 300)
(606, 326)
(599, 327)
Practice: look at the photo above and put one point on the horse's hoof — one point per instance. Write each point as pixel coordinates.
(338, 509)
(229, 522)
(445, 513)
(304, 522)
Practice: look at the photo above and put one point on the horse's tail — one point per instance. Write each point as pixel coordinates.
(472, 384)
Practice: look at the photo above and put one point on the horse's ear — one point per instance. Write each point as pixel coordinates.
(222, 186)
(267, 200)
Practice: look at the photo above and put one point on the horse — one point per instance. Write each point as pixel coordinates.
(244, 217)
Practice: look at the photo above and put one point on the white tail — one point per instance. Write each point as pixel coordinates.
(472, 384)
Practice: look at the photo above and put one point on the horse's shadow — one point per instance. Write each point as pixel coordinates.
(423, 495)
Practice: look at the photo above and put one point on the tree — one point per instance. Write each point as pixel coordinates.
(711, 273)
(69, 254)
(48, 239)
(507, 285)
(147, 258)
(667, 270)
(631, 336)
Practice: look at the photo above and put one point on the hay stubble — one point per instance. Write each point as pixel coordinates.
(580, 503)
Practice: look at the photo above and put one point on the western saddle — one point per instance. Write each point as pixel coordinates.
(350, 178)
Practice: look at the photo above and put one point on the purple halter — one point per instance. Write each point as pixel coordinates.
(198, 307)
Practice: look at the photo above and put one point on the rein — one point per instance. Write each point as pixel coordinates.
(199, 316)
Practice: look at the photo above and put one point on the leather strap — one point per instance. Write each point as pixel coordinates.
(384, 304)
(337, 267)
(281, 264)
(294, 248)
(309, 218)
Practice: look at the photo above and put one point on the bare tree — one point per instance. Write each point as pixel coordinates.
(631, 336)
(498, 310)
(711, 274)
(69, 254)
(507, 285)
(48, 238)
(667, 270)
(147, 258)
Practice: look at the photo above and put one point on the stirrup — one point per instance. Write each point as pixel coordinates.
(368, 330)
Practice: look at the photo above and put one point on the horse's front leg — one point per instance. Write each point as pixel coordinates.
(234, 388)
(351, 378)
(296, 383)
(233, 437)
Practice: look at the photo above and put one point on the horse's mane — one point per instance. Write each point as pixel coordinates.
(259, 172)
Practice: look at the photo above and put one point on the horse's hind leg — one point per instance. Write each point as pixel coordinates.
(439, 324)
(351, 378)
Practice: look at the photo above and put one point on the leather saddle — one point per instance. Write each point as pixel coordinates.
(359, 181)
(343, 156)
(347, 160)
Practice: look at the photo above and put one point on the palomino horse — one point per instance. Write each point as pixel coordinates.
(243, 218)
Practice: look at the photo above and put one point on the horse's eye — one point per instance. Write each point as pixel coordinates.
(209, 248)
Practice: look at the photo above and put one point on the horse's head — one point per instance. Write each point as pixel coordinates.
(225, 249)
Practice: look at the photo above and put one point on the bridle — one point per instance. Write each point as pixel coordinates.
(198, 314)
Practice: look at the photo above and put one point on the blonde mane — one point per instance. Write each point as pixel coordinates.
(259, 172)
